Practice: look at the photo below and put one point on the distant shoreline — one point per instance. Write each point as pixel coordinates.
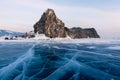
(74, 41)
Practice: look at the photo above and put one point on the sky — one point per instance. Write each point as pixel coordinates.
(103, 15)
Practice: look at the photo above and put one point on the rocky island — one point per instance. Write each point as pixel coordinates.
(53, 27)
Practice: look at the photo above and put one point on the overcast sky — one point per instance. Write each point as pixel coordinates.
(103, 15)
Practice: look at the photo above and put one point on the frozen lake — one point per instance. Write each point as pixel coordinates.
(60, 60)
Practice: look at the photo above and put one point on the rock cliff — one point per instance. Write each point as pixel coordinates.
(53, 27)
(78, 32)
(50, 25)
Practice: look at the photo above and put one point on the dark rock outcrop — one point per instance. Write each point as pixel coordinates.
(78, 32)
(53, 27)
(50, 25)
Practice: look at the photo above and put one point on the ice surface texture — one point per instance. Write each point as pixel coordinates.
(59, 61)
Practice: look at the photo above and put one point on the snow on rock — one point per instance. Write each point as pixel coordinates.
(40, 37)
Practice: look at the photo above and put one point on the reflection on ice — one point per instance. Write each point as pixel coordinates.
(57, 61)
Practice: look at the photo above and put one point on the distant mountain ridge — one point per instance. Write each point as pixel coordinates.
(9, 33)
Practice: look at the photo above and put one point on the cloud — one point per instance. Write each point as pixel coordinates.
(27, 12)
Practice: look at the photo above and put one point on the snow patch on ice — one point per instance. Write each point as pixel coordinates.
(114, 47)
(44, 39)
(91, 47)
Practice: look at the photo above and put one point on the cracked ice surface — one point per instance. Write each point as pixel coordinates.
(59, 61)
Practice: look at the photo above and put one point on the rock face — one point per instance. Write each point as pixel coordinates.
(53, 27)
(50, 25)
(82, 33)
